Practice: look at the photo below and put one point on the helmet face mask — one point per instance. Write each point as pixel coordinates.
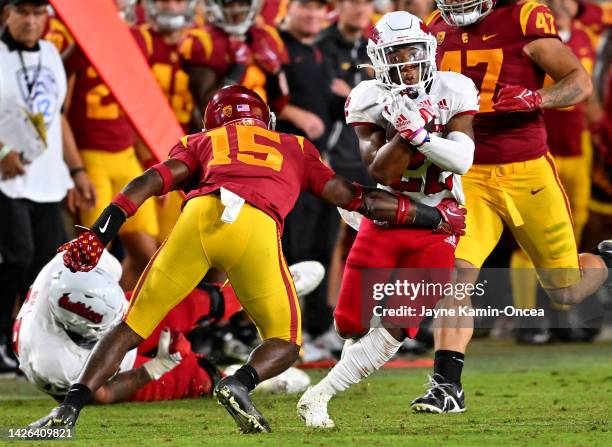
(464, 12)
(404, 53)
(237, 104)
(86, 304)
(167, 21)
(233, 16)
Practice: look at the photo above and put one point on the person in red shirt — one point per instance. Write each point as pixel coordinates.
(242, 179)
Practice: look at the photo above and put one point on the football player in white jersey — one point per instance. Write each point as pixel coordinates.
(415, 132)
(66, 313)
(62, 319)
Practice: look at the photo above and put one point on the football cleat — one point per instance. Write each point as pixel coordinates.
(234, 396)
(312, 409)
(62, 416)
(440, 398)
(604, 249)
(307, 276)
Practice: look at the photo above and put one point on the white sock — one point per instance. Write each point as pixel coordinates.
(358, 361)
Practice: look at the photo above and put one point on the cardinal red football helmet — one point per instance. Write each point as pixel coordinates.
(236, 103)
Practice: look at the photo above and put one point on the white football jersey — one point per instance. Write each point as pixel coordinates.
(451, 94)
(47, 355)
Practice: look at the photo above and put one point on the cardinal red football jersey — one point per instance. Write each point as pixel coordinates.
(266, 168)
(490, 52)
(165, 63)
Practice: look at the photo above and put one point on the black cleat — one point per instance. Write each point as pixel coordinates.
(64, 416)
(440, 398)
(234, 396)
(604, 249)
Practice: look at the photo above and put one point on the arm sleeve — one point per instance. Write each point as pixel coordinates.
(455, 153)
(316, 173)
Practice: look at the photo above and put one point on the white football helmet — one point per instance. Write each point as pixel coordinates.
(170, 21)
(394, 31)
(464, 12)
(220, 13)
(88, 304)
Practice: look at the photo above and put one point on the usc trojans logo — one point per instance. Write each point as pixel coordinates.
(227, 111)
(440, 37)
(464, 37)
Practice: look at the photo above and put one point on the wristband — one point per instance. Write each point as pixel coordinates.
(164, 171)
(6, 149)
(357, 200)
(75, 171)
(108, 224)
(403, 210)
(427, 216)
(125, 203)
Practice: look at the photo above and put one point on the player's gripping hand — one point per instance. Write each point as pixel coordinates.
(64, 416)
(515, 98)
(453, 217)
(83, 253)
(404, 115)
(239, 51)
(168, 354)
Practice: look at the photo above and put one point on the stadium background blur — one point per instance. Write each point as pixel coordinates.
(197, 53)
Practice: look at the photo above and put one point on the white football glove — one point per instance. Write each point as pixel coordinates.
(404, 115)
(164, 361)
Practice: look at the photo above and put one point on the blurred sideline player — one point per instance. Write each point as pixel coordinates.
(507, 48)
(105, 140)
(167, 22)
(432, 113)
(569, 141)
(243, 178)
(67, 313)
(233, 49)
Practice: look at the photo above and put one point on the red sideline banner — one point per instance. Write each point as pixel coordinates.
(108, 44)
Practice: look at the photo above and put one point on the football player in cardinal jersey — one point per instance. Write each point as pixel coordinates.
(506, 48)
(242, 179)
(432, 113)
(233, 49)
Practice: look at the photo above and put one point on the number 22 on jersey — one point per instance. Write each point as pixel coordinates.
(255, 146)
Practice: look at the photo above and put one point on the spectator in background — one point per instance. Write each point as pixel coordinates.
(37, 157)
(310, 229)
(420, 8)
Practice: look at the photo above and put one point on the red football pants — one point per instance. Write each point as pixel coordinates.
(377, 247)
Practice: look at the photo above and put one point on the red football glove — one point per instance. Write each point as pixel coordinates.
(515, 98)
(266, 57)
(453, 217)
(240, 51)
(84, 252)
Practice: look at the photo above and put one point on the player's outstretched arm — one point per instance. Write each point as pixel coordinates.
(84, 252)
(396, 209)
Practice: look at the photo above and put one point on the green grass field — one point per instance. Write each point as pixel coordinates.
(558, 395)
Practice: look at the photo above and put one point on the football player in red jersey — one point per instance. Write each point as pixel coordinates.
(506, 48)
(242, 179)
(233, 49)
